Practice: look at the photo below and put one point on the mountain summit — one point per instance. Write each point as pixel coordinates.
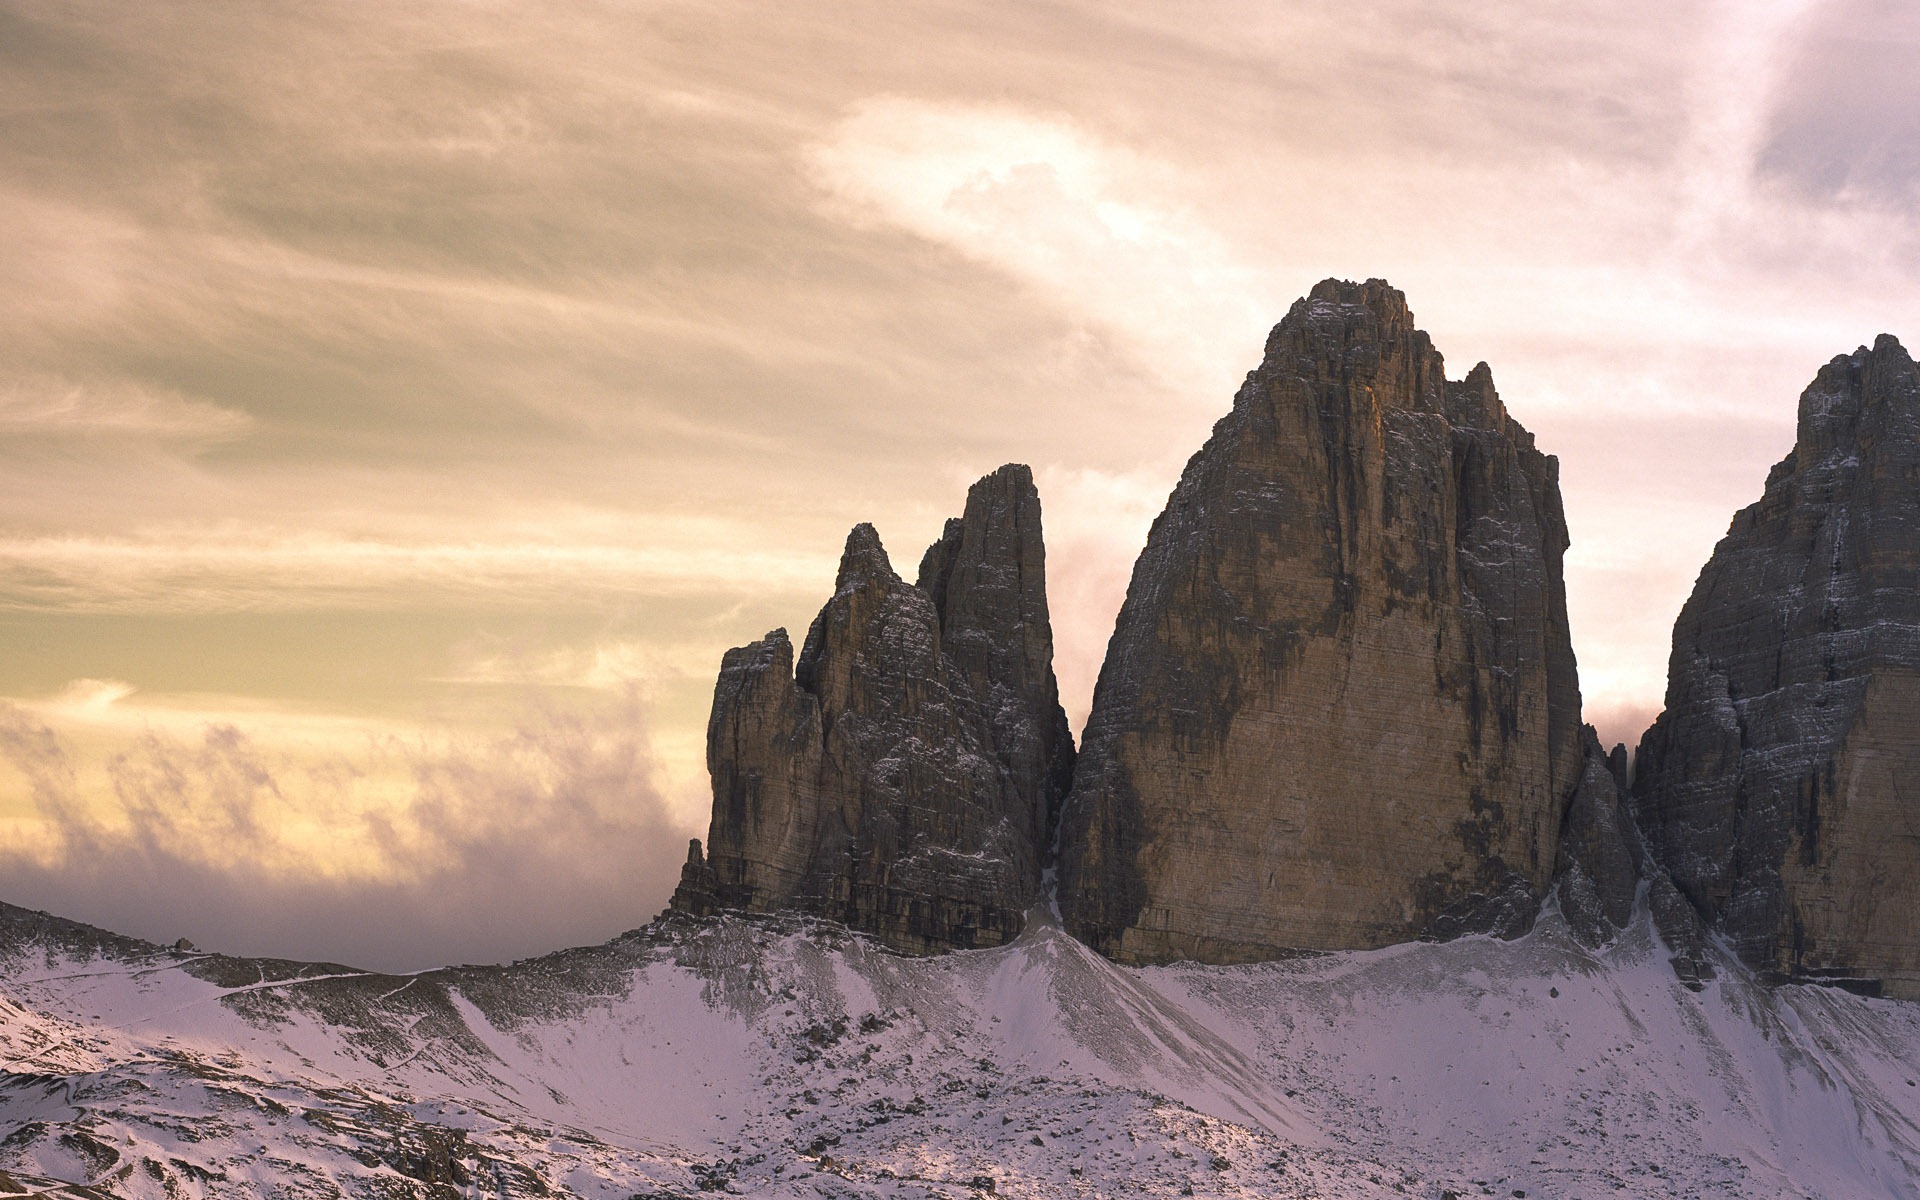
(1340, 706)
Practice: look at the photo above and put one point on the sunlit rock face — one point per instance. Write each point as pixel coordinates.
(1781, 786)
(899, 775)
(1339, 708)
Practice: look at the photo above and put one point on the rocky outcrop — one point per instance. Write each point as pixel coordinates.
(1339, 708)
(1601, 856)
(897, 775)
(1606, 876)
(1778, 786)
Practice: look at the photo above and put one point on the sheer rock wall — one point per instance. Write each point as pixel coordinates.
(987, 578)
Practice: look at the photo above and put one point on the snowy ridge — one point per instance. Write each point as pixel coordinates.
(790, 1059)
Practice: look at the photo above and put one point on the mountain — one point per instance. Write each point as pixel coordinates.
(1340, 707)
(1338, 714)
(784, 1058)
(900, 776)
(1777, 787)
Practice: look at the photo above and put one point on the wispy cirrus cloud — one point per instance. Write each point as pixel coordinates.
(242, 568)
(1103, 232)
(52, 407)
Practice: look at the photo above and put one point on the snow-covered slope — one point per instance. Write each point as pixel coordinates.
(791, 1060)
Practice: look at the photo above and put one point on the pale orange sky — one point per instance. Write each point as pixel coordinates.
(405, 405)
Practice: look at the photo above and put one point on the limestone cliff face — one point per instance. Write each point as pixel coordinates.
(1339, 708)
(1779, 786)
(888, 777)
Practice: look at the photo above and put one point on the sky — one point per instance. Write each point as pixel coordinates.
(403, 406)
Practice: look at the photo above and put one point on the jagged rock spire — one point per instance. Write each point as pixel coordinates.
(880, 779)
(1606, 878)
(986, 577)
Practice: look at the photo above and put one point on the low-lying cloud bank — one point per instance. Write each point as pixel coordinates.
(403, 856)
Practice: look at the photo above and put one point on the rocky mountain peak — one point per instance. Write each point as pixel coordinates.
(986, 577)
(898, 775)
(1889, 372)
(864, 560)
(1385, 303)
(1850, 400)
(998, 535)
(1362, 333)
(1339, 707)
(876, 625)
(1474, 403)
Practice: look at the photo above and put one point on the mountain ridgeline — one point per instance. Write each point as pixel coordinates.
(1340, 707)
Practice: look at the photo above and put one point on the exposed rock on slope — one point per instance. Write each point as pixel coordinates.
(1778, 786)
(1601, 855)
(898, 776)
(1340, 707)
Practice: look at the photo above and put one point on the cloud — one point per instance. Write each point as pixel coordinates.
(90, 699)
(228, 568)
(405, 855)
(1731, 94)
(602, 665)
(115, 408)
(1843, 126)
(1100, 229)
